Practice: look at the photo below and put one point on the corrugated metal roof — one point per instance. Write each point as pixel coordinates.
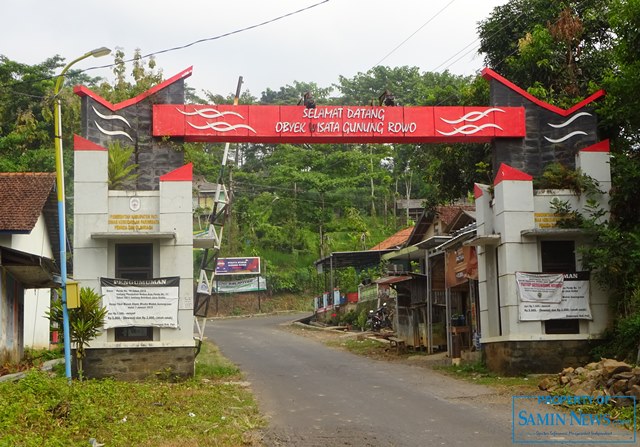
(392, 279)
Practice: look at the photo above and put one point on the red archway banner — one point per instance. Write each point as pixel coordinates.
(337, 124)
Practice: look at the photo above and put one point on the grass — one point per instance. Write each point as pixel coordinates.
(208, 410)
(366, 347)
(475, 372)
(478, 373)
(211, 364)
(287, 302)
(33, 358)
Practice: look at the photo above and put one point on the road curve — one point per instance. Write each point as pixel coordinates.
(314, 395)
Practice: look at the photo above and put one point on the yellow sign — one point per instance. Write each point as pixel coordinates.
(73, 294)
(133, 222)
(546, 220)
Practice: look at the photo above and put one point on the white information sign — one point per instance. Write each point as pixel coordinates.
(553, 296)
(143, 302)
(241, 285)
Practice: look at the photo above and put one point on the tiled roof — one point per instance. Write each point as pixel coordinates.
(395, 241)
(444, 213)
(448, 213)
(23, 196)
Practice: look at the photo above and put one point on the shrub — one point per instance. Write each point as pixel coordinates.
(85, 321)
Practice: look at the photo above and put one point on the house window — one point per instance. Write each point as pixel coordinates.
(134, 261)
(559, 257)
(562, 326)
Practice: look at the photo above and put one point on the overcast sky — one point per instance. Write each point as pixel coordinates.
(336, 37)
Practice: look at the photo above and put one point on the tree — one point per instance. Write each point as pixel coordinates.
(623, 75)
(25, 121)
(560, 49)
(292, 94)
(144, 77)
(121, 172)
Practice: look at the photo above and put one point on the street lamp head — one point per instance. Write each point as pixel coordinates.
(99, 52)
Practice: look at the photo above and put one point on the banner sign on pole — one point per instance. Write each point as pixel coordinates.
(141, 302)
(241, 285)
(238, 266)
(544, 296)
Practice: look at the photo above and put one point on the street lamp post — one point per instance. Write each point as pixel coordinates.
(62, 222)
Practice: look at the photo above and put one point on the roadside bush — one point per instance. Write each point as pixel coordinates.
(350, 318)
(622, 342)
(85, 321)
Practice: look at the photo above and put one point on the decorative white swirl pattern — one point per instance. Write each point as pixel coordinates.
(112, 132)
(473, 116)
(469, 129)
(566, 137)
(209, 113)
(221, 126)
(569, 121)
(111, 117)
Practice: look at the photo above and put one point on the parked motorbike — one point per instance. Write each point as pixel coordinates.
(379, 319)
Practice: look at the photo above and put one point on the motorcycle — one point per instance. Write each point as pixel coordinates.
(379, 319)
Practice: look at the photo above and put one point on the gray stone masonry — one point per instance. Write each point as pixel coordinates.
(540, 356)
(128, 364)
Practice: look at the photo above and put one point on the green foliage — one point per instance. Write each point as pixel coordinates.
(121, 171)
(347, 279)
(613, 252)
(478, 373)
(361, 320)
(349, 318)
(625, 200)
(367, 347)
(553, 49)
(144, 77)
(292, 94)
(623, 341)
(408, 85)
(569, 218)
(41, 410)
(210, 364)
(85, 321)
(558, 176)
(24, 121)
(206, 159)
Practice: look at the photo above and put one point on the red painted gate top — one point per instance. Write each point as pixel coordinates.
(336, 124)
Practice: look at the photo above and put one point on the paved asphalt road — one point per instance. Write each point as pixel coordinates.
(314, 395)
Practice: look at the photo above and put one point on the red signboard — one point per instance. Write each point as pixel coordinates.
(238, 266)
(337, 124)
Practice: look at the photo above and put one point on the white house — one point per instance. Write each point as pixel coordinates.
(28, 241)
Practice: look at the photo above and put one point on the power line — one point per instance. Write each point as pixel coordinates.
(220, 36)
(413, 34)
(181, 47)
(475, 45)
